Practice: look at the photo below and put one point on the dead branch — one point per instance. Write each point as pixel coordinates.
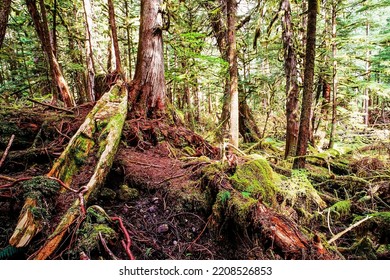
(7, 149)
(337, 236)
(104, 243)
(50, 106)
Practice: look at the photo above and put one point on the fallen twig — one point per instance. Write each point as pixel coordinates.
(145, 164)
(49, 105)
(7, 178)
(7, 149)
(337, 236)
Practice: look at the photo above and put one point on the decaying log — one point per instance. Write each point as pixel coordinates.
(99, 137)
(286, 236)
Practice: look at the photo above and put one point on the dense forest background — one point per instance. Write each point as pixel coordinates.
(290, 115)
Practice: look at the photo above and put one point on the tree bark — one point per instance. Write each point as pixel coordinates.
(292, 89)
(42, 30)
(304, 126)
(88, 50)
(217, 14)
(114, 36)
(147, 90)
(5, 9)
(334, 84)
(233, 71)
(98, 137)
(366, 100)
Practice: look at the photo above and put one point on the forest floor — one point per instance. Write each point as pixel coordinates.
(164, 196)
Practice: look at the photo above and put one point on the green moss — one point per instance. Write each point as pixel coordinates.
(341, 208)
(241, 208)
(383, 249)
(191, 198)
(89, 236)
(257, 178)
(76, 157)
(43, 190)
(189, 151)
(298, 192)
(107, 194)
(125, 193)
(233, 205)
(40, 186)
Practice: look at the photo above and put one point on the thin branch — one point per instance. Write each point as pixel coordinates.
(104, 243)
(7, 178)
(337, 236)
(7, 149)
(51, 106)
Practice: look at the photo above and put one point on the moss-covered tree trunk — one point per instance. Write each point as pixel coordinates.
(98, 137)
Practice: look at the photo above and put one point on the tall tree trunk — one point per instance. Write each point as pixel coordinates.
(148, 92)
(217, 13)
(88, 50)
(129, 41)
(54, 30)
(5, 9)
(304, 126)
(42, 30)
(292, 89)
(334, 84)
(233, 71)
(366, 100)
(114, 36)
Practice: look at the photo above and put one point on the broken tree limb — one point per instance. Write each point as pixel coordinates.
(113, 116)
(337, 236)
(7, 150)
(50, 106)
(98, 137)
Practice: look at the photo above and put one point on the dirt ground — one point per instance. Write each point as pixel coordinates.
(157, 188)
(163, 217)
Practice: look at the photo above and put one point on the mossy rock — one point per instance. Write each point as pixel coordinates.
(257, 178)
(125, 193)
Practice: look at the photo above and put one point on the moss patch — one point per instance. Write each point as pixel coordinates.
(257, 178)
(297, 191)
(126, 193)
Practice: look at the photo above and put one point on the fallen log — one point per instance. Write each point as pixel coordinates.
(98, 137)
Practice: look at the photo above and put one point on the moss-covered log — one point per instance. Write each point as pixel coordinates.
(98, 137)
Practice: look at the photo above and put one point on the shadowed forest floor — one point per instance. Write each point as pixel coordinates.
(165, 193)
